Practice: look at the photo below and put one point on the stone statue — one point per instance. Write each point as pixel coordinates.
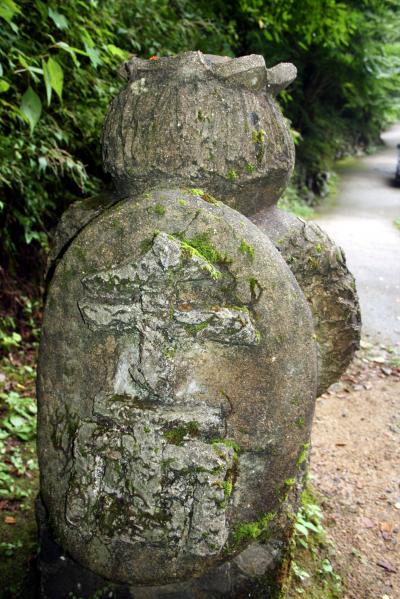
(180, 357)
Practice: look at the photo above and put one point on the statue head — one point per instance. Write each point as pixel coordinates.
(200, 120)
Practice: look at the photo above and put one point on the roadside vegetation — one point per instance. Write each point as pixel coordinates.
(18, 461)
(312, 573)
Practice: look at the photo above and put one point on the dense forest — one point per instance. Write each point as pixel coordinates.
(58, 73)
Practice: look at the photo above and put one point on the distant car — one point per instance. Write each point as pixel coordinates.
(397, 175)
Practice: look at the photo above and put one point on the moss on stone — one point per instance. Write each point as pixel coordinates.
(313, 262)
(207, 197)
(193, 329)
(178, 434)
(228, 488)
(303, 454)
(258, 137)
(289, 482)
(196, 191)
(232, 175)
(159, 209)
(244, 531)
(255, 288)
(246, 248)
(146, 245)
(228, 443)
(201, 246)
(191, 250)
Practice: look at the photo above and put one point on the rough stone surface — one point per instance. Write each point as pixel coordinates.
(176, 387)
(254, 573)
(203, 121)
(178, 358)
(77, 216)
(319, 266)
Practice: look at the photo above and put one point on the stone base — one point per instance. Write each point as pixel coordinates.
(256, 572)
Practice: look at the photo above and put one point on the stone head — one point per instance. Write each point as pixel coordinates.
(200, 120)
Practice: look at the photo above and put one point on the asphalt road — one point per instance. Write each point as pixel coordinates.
(361, 221)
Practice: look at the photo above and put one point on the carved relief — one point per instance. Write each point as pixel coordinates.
(147, 467)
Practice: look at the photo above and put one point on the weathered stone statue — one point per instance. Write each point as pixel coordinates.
(178, 362)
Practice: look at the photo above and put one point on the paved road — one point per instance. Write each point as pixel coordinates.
(361, 221)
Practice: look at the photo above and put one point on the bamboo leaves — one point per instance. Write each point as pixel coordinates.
(31, 107)
(56, 76)
(31, 104)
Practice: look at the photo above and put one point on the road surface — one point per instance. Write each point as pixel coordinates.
(361, 221)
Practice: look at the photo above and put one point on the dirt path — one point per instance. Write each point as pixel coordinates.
(362, 222)
(355, 468)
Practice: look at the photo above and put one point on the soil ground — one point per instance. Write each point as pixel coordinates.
(355, 471)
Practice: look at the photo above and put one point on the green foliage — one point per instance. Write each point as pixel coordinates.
(292, 201)
(348, 60)
(17, 429)
(58, 63)
(311, 565)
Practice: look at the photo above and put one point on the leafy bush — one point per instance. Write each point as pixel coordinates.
(58, 63)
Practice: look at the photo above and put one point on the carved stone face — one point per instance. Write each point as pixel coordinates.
(205, 121)
(176, 358)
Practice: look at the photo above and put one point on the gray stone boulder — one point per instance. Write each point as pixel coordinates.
(213, 122)
(177, 379)
(319, 266)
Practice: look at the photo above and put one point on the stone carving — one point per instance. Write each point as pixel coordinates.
(152, 473)
(178, 360)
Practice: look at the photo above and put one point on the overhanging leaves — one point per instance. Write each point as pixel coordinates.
(31, 107)
(56, 76)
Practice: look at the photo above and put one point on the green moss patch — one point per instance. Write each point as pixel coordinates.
(232, 175)
(253, 530)
(246, 248)
(178, 434)
(207, 197)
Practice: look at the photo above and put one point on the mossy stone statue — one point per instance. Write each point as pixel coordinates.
(178, 359)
